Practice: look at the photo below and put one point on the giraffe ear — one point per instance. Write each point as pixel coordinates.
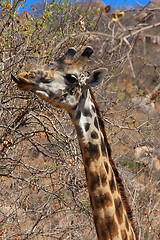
(97, 77)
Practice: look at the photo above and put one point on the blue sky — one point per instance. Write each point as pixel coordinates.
(112, 3)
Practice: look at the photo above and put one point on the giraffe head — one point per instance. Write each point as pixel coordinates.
(62, 83)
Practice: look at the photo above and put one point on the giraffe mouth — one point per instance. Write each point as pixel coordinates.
(25, 84)
(22, 81)
(23, 77)
(16, 80)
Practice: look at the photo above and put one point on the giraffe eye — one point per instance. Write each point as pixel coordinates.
(71, 78)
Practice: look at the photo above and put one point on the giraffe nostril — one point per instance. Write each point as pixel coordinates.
(39, 72)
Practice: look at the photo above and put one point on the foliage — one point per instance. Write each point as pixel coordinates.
(43, 193)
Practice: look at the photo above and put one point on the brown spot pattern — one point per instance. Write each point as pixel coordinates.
(93, 108)
(94, 181)
(124, 235)
(109, 228)
(112, 184)
(79, 131)
(106, 167)
(96, 123)
(87, 113)
(87, 161)
(118, 179)
(103, 175)
(92, 150)
(90, 153)
(94, 135)
(119, 209)
(87, 126)
(104, 200)
(103, 147)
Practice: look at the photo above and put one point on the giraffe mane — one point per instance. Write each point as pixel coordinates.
(118, 179)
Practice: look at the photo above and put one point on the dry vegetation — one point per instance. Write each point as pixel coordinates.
(43, 192)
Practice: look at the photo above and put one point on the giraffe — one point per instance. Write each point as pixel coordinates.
(65, 85)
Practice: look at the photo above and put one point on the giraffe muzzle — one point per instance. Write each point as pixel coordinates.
(22, 81)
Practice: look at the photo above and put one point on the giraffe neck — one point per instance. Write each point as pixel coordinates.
(109, 212)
